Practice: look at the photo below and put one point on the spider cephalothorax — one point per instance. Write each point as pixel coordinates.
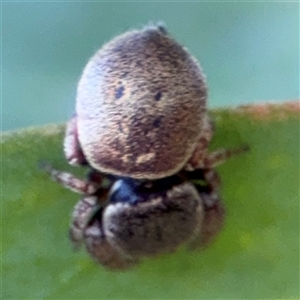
(130, 219)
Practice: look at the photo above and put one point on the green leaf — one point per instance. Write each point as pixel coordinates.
(256, 256)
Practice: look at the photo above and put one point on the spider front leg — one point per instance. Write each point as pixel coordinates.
(82, 214)
(94, 196)
(101, 250)
(214, 210)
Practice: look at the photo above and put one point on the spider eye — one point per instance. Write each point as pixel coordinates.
(123, 190)
(133, 191)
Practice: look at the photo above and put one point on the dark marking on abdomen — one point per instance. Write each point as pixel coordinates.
(119, 92)
(157, 122)
(158, 95)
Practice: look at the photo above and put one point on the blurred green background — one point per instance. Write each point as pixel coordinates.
(249, 51)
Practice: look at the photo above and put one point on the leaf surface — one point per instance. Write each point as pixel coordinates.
(256, 256)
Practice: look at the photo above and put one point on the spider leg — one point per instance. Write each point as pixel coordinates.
(71, 182)
(214, 216)
(202, 159)
(72, 148)
(81, 216)
(94, 195)
(102, 251)
(215, 158)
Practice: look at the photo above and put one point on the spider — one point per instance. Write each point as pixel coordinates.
(141, 126)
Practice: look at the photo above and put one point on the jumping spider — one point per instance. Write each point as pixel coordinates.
(141, 126)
